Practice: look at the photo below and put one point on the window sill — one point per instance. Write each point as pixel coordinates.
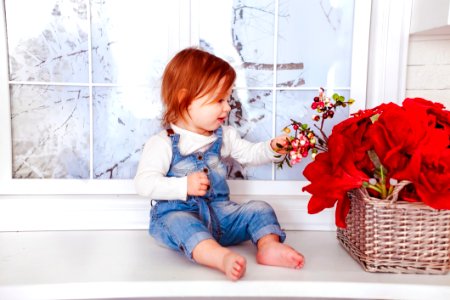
(130, 212)
(129, 264)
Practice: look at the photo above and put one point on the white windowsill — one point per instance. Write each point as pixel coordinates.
(130, 212)
(129, 264)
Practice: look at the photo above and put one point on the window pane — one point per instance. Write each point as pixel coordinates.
(296, 105)
(130, 41)
(47, 40)
(242, 32)
(50, 131)
(315, 43)
(124, 118)
(251, 114)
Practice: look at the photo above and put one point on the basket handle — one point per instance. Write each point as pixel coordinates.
(398, 187)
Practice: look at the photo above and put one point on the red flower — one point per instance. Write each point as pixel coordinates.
(439, 117)
(330, 185)
(395, 138)
(433, 182)
(372, 147)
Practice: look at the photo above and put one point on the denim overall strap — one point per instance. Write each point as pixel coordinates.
(217, 146)
(175, 139)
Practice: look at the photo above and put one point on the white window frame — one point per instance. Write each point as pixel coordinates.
(113, 204)
(181, 26)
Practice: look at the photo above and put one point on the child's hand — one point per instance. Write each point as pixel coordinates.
(279, 141)
(197, 184)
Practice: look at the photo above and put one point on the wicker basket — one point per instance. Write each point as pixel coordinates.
(396, 236)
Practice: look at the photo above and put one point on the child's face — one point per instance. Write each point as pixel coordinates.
(207, 113)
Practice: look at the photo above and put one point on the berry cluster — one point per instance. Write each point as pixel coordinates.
(304, 140)
(325, 107)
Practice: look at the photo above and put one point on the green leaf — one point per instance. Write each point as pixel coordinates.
(335, 96)
(380, 169)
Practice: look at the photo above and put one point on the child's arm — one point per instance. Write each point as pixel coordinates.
(246, 152)
(150, 180)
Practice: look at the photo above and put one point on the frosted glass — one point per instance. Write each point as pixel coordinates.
(314, 43)
(47, 40)
(251, 114)
(242, 32)
(130, 41)
(50, 131)
(124, 118)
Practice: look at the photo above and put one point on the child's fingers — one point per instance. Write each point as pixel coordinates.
(279, 143)
(282, 139)
(203, 182)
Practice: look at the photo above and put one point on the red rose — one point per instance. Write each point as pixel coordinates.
(350, 136)
(432, 137)
(433, 182)
(439, 117)
(329, 185)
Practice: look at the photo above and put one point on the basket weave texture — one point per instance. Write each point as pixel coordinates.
(395, 236)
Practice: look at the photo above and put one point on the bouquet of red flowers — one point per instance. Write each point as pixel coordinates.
(375, 149)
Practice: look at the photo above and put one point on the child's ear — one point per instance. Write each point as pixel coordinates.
(181, 94)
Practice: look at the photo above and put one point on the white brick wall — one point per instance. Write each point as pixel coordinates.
(428, 69)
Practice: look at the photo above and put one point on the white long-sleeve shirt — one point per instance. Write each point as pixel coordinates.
(151, 180)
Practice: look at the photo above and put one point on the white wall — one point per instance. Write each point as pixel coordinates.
(428, 68)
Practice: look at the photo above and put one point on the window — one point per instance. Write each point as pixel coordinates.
(83, 80)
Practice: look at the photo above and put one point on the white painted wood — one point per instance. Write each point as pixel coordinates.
(434, 50)
(106, 212)
(430, 17)
(432, 77)
(389, 34)
(429, 68)
(126, 187)
(5, 118)
(360, 55)
(130, 265)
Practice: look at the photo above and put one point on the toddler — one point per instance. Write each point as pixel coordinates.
(181, 170)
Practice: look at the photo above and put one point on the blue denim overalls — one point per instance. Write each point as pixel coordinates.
(181, 225)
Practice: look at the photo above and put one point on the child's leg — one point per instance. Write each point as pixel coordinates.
(272, 252)
(183, 231)
(257, 221)
(210, 253)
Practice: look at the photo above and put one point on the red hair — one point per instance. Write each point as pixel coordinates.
(192, 74)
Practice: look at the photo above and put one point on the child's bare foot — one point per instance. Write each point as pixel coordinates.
(234, 266)
(210, 253)
(273, 253)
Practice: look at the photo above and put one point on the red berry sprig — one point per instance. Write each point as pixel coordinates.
(305, 140)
